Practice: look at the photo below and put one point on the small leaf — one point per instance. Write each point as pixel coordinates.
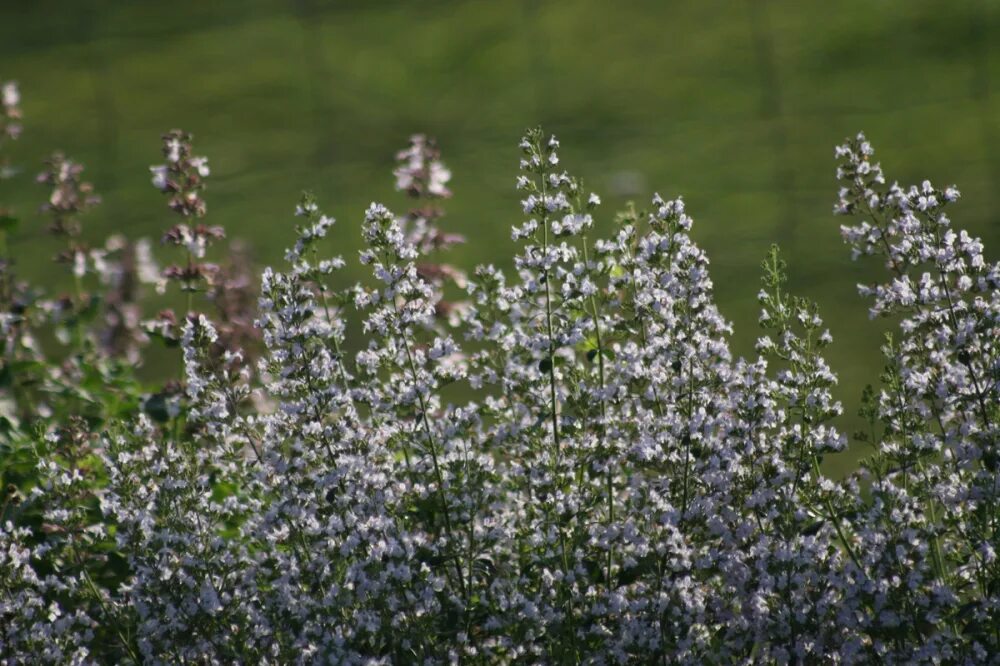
(812, 530)
(156, 407)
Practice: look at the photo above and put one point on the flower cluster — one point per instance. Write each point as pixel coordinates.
(420, 171)
(182, 179)
(930, 529)
(10, 110)
(421, 174)
(70, 197)
(10, 129)
(575, 470)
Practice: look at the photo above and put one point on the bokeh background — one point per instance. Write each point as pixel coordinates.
(736, 105)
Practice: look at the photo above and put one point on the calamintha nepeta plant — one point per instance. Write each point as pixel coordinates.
(563, 465)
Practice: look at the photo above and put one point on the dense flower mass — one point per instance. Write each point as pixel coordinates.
(564, 464)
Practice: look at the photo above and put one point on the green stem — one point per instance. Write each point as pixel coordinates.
(434, 457)
(604, 417)
(687, 444)
(836, 524)
(104, 606)
(553, 395)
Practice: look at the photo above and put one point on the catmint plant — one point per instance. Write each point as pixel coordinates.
(563, 464)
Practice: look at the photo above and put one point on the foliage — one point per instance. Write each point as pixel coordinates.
(564, 465)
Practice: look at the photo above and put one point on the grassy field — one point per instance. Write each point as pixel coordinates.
(735, 105)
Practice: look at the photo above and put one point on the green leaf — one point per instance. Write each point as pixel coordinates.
(156, 407)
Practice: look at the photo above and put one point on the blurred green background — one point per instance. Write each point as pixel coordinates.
(734, 105)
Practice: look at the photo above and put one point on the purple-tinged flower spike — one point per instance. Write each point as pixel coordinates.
(182, 179)
(70, 195)
(234, 292)
(10, 110)
(10, 129)
(420, 173)
(123, 336)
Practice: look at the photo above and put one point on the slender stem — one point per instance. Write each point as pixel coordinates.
(553, 394)
(549, 331)
(433, 450)
(644, 337)
(336, 338)
(104, 606)
(836, 524)
(604, 418)
(687, 444)
(188, 282)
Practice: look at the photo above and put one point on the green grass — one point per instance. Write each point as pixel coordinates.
(735, 105)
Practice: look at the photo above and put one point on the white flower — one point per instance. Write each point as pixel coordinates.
(9, 94)
(173, 146)
(159, 179)
(201, 165)
(208, 598)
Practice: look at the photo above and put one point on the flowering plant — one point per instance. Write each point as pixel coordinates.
(566, 465)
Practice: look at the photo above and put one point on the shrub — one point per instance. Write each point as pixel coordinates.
(566, 466)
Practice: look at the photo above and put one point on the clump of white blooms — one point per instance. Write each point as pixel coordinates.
(574, 470)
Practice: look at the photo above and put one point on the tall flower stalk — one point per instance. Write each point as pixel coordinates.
(181, 178)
